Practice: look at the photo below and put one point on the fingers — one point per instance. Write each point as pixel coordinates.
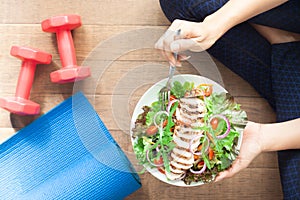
(164, 44)
(192, 44)
(171, 42)
(177, 46)
(236, 167)
(182, 57)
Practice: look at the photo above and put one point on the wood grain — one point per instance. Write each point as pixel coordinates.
(117, 12)
(116, 40)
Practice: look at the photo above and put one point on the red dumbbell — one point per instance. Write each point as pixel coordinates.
(62, 26)
(20, 103)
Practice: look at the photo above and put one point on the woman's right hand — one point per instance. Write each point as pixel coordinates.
(194, 36)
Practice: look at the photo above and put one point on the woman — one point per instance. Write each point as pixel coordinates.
(260, 41)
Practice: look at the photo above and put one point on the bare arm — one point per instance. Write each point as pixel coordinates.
(281, 136)
(238, 11)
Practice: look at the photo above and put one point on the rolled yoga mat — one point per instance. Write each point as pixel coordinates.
(67, 153)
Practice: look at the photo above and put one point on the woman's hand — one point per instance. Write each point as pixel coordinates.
(193, 36)
(251, 147)
(259, 138)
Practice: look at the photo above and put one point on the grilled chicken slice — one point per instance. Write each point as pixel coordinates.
(189, 115)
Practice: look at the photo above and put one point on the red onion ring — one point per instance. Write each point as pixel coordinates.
(156, 165)
(227, 123)
(200, 171)
(157, 149)
(182, 176)
(196, 138)
(170, 104)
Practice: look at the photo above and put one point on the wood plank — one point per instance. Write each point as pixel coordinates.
(6, 133)
(117, 12)
(254, 183)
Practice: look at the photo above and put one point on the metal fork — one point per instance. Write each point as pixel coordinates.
(164, 93)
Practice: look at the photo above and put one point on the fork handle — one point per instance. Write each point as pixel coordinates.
(172, 68)
(171, 74)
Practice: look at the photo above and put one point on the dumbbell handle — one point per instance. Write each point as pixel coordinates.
(66, 48)
(25, 80)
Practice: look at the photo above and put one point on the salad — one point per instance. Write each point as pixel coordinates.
(194, 138)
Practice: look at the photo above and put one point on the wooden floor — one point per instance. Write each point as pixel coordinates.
(116, 40)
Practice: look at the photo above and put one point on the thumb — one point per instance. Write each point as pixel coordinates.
(186, 44)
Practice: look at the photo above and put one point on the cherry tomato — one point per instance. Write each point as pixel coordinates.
(172, 129)
(165, 123)
(172, 97)
(151, 130)
(161, 170)
(214, 123)
(200, 164)
(199, 147)
(158, 161)
(208, 89)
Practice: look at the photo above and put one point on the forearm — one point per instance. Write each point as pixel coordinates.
(238, 11)
(280, 136)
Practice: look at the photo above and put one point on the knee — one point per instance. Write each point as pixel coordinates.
(176, 9)
(191, 10)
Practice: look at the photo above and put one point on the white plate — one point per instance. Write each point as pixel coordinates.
(151, 95)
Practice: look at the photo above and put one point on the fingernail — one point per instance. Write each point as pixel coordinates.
(185, 58)
(217, 179)
(172, 63)
(175, 47)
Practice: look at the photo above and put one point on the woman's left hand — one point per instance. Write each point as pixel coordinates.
(252, 145)
(194, 36)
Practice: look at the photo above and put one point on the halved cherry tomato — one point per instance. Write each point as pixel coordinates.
(151, 130)
(208, 89)
(200, 164)
(196, 157)
(161, 170)
(158, 161)
(214, 123)
(165, 123)
(199, 147)
(172, 97)
(172, 129)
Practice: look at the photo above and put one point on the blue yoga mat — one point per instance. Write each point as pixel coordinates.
(65, 154)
